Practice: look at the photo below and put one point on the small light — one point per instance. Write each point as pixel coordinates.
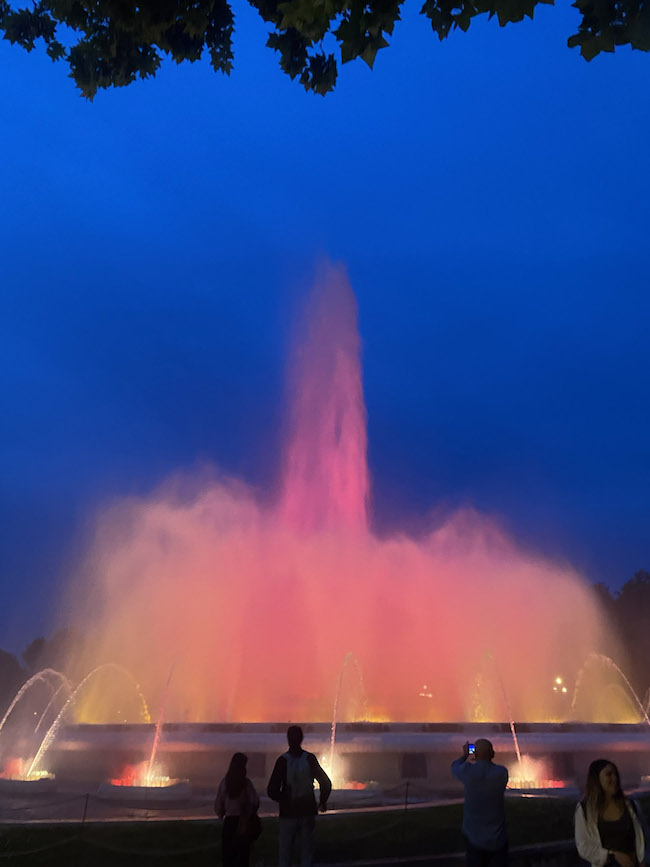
(564, 689)
(558, 680)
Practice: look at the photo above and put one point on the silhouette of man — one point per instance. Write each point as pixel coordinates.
(484, 818)
(292, 785)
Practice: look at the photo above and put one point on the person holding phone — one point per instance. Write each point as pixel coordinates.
(484, 818)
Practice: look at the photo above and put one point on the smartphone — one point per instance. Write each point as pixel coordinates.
(470, 747)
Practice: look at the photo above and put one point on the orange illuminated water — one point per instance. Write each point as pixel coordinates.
(258, 603)
(141, 775)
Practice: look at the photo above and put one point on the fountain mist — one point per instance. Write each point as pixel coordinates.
(259, 603)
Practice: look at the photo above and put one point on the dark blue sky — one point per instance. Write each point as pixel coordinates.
(490, 197)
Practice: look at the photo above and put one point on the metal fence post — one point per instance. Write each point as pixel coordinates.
(81, 831)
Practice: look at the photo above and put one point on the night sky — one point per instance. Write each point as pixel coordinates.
(490, 197)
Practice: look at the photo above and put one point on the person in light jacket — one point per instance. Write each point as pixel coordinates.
(607, 829)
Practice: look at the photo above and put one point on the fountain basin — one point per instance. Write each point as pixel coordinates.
(387, 754)
(142, 796)
(26, 788)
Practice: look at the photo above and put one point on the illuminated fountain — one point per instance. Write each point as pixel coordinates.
(599, 660)
(17, 775)
(24, 774)
(152, 771)
(260, 597)
(64, 687)
(18, 780)
(528, 773)
(147, 780)
(45, 677)
(351, 662)
(499, 688)
(257, 597)
(144, 783)
(52, 732)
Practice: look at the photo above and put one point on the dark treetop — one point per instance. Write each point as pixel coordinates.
(113, 42)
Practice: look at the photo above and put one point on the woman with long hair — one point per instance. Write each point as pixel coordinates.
(607, 829)
(236, 804)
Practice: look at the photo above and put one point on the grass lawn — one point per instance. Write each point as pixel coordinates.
(345, 837)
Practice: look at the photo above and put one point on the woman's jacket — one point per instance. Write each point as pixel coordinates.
(588, 838)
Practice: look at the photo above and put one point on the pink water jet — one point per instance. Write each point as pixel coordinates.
(326, 483)
(259, 604)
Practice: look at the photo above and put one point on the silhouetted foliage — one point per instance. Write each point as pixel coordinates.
(627, 642)
(12, 677)
(63, 652)
(113, 42)
(632, 609)
(605, 598)
(32, 654)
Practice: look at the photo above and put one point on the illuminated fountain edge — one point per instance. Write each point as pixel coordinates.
(144, 782)
(18, 788)
(176, 791)
(367, 755)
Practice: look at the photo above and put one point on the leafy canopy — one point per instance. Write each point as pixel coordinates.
(113, 42)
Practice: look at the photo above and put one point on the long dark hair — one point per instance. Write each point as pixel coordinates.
(236, 775)
(594, 798)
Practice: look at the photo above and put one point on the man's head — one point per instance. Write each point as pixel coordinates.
(294, 737)
(483, 750)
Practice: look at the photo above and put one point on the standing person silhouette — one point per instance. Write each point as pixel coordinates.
(235, 803)
(484, 817)
(292, 786)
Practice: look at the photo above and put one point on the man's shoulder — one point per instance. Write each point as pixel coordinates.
(310, 759)
(303, 759)
(459, 768)
(479, 770)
